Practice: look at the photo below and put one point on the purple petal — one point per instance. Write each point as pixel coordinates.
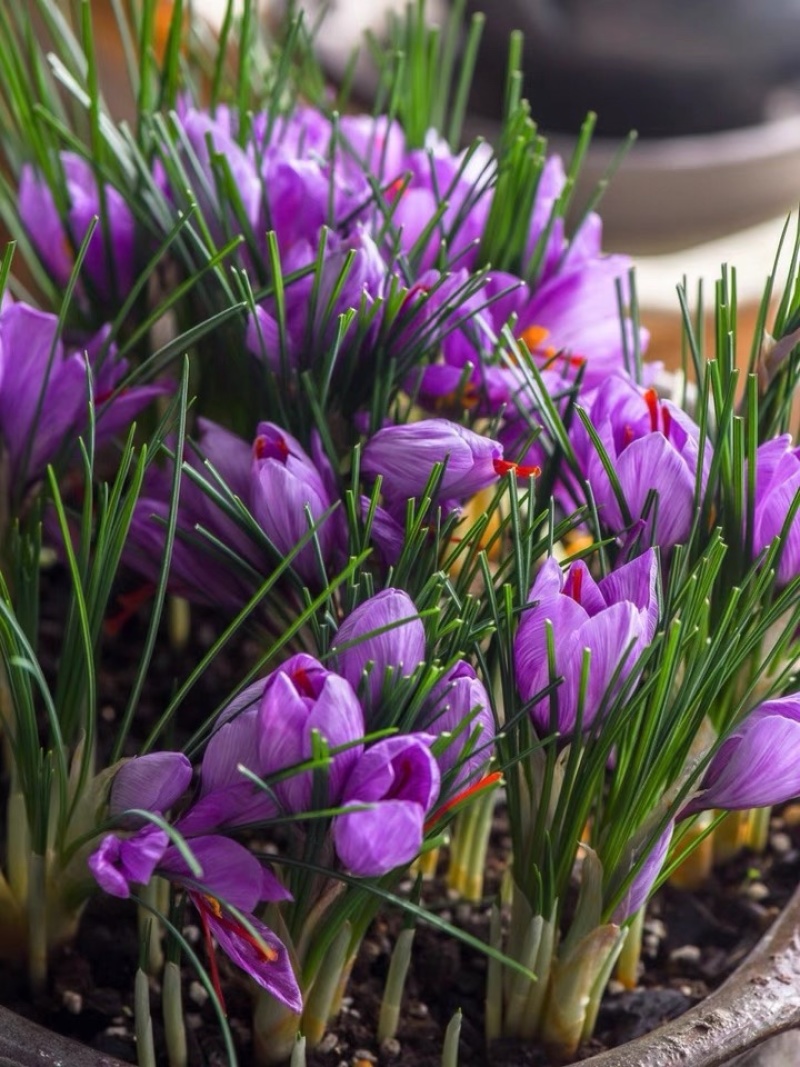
(369, 843)
(272, 969)
(153, 782)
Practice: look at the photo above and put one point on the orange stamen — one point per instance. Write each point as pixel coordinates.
(651, 399)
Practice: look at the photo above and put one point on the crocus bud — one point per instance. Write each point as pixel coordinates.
(405, 457)
(58, 244)
(758, 765)
(776, 485)
(614, 619)
(285, 486)
(639, 890)
(399, 778)
(299, 698)
(153, 782)
(459, 705)
(384, 633)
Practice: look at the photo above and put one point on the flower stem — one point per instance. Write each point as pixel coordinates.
(395, 984)
(629, 957)
(37, 921)
(149, 928)
(145, 1047)
(451, 1037)
(479, 845)
(317, 1011)
(298, 1057)
(757, 829)
(172, 1005)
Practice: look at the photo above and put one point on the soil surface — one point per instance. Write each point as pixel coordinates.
(692, 940)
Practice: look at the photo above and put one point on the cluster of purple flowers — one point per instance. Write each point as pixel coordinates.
(46, 382)
(385, 789)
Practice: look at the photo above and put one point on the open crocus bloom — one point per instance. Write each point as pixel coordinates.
(614, 619)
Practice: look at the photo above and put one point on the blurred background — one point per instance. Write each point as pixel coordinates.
(711, 86)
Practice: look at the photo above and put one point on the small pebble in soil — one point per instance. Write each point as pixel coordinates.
(757, 891)
(192, 934)
(107, 713)
(650, 945)
(418, 1010)
(362, 1057)
(615, 988)
(791, 815)
(390, 1048)
(116, 1031)
(655, 928)
(198, 994)
(328, 1043)
(72, 1001)
(193, 1020)
(688, 955)
(780, 843)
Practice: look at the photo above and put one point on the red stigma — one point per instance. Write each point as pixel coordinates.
(651, 399)
(263, 446)
(627, 436)
(477, 787)
(394, 189)
(302, 682)
(503, 466)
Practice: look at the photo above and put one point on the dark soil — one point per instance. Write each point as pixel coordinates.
(692, 940)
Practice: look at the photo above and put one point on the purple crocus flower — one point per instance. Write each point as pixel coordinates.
(384, 634)
(286, 485)
(777, 483)
(153, 782)
(654, 447)
(459, 705)
(195, 572)
(230, 878)
(226, 797)
(399, 779)
(640, 888)
(405, 457)
(758, 765)
(43, 390)
(299, 698)
(57, 240)
(615, 619)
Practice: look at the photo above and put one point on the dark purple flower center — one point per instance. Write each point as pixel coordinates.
(403, 768)
(271, 446)
(303, 683)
